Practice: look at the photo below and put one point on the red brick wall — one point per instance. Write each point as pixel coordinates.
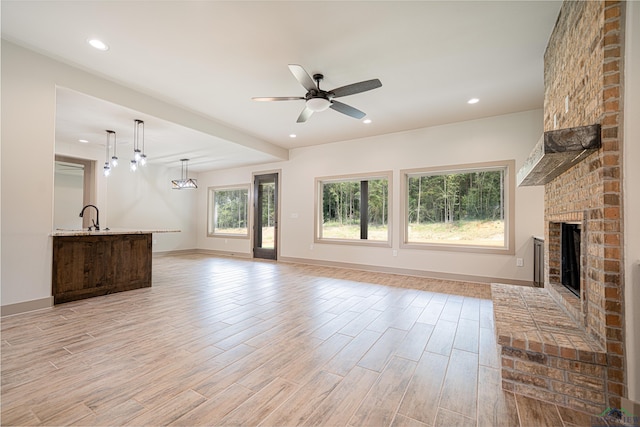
(584, 61)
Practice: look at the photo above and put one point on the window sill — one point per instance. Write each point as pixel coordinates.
(458, 248)
(228, 236)
(372, 243)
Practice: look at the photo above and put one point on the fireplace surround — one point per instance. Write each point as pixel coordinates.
(583, 69)
(571, 299)
(584, 63)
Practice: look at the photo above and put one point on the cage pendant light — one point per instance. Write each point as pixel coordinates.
(184, 183)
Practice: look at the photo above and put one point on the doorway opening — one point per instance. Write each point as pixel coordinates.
(74, 187)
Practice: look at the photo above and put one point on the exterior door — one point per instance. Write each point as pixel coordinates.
(265, 227)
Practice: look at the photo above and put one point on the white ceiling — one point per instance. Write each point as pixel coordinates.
(211, 57)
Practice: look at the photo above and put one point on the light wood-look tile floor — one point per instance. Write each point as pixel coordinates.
(224, 341)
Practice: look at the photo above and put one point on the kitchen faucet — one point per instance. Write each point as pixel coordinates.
(96, 223)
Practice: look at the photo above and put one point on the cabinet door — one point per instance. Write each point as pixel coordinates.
(131, 262)
(80, 267)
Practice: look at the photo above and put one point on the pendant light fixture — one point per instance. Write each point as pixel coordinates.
(106, 170)
(184, 183)
(114, 158)
(139, 157)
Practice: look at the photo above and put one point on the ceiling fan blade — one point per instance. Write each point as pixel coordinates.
(304, 116)
(356, 88)
(278, 98)
(347, 109)
(302, 76)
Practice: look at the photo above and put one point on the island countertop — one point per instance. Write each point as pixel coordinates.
(67, 232)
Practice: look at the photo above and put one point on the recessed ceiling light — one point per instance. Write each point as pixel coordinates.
(98, 44)
(292, 135)
(366, 121)
(84, 141)
(473, 101)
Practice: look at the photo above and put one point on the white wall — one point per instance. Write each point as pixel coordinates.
(631, 176)
(28, 120)
(498, 138)
(28, 125)
(141, 200)
(145, 200)
(28, 128)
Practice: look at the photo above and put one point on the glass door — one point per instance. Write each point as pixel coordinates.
(265, 230)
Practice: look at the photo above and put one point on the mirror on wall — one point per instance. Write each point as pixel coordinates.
(73, 184)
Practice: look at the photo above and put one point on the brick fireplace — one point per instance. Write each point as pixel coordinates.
(583, 62)
(573, 354)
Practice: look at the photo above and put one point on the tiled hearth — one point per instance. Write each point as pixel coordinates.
(545, 353)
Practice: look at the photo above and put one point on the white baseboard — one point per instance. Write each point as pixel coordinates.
(224, 253)
(354, 266)
(23, 307)
(175, 252)
(202, 252)
(407, 271)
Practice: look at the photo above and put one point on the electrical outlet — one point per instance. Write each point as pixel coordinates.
(519, 262)
(395, 252)
(311, 247)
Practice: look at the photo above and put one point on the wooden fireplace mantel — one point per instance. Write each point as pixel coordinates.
(556, 152)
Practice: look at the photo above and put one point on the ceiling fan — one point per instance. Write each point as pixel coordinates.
(319, 100)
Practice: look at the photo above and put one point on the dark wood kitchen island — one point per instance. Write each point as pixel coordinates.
(93, 263)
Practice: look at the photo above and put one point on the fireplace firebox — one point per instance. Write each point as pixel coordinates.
(570, 247)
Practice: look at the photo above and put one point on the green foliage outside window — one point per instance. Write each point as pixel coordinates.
(341, 209)
(465, 208)
(228, 211)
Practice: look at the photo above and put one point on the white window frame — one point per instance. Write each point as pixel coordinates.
(318, 220)
(508, 166)
(212, 220)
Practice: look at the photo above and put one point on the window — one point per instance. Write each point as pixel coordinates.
(354, 209)
(467, 207)
(229, 211)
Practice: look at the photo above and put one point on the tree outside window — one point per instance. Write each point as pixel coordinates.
(354, 209)
(229, 211)
(466, 206)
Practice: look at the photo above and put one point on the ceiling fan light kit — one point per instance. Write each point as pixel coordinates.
(318, 100)
(318, 104)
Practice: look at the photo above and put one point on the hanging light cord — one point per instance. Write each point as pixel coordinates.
(106, 159)
(142, 123)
